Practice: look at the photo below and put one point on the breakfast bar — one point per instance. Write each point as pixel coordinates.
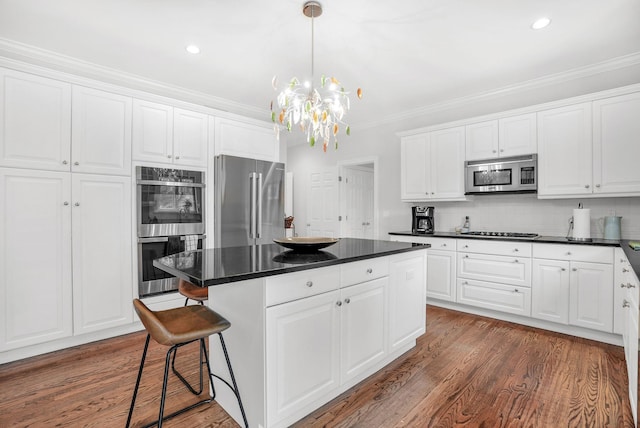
(307, 326)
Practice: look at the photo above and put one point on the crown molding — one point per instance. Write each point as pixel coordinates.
(541, 82)
(15, 53)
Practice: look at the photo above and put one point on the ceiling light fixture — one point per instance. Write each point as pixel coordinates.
(193, 49)
(540, 23)
(317, 111)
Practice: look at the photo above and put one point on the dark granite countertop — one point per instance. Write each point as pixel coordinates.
(214, 266)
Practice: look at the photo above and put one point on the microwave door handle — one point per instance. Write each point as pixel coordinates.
(150, 240)
(259, 213)
(481, 163)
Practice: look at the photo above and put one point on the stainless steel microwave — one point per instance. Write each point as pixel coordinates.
(517, 174)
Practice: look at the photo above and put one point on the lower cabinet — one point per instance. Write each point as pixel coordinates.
(498, 297)
(550, 290)
(591, 296)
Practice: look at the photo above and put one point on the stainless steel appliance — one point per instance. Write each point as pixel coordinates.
(422, 220)
(514, 235)
(170, 211)
(249, 201)
(517, 174)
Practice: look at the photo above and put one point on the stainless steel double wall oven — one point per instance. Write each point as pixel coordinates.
(170, 213)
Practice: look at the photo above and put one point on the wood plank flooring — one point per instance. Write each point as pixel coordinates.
(467, 371)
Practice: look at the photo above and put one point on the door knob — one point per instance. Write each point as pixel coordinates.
(347, 300)
(309, 283)
(339, 303)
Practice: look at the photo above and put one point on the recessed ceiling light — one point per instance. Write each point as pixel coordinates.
(540, 23)
(193, 49)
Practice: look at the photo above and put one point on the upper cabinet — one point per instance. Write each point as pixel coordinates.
(166, 134)
(246, 138)
(432, 165)
(100, 132)
(35, 121)
(509, 136)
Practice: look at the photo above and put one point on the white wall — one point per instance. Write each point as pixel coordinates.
(503, 213)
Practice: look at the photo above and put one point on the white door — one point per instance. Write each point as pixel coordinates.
(322, 203)
(441, 275)
(356, 193)
(152, 137)
(35, 257)
(363, 320)
(100, 132)
(189, 138)
(102, 289)
(550, 290)
(303, 353)
(35, 121)
(591, 296)
(406, 299)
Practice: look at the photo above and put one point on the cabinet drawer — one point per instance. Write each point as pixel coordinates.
(296, 285)
(498, 297)
(363, 270)
(571, 252)
(502, 248)
(446, 244)
(502, 269)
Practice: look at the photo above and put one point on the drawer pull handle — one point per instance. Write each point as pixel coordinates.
(339, 303)
(369, 270)
(628, 285)
(625, 303)
(623, 286)
(309, 283)
(347, 300)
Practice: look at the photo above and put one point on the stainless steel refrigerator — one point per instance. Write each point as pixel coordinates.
(249, 201)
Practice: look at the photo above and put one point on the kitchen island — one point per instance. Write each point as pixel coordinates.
(306, 327)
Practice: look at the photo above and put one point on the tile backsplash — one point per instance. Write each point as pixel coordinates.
(526, 213)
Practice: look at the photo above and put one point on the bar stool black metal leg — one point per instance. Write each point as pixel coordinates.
(235, 389)
(179, 376)
(135, 390)
(164, 383)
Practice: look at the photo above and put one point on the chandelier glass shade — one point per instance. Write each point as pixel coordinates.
(318, 111)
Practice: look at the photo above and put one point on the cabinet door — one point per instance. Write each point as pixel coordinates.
(616, 148)
(101, 132)
(406, 299)
(441, 275)
(102, 288)
(518, 135)
(481, 140)
(550, 290)
(363, 324)
(303, 353)
(564, 151)
(591, 296)
(35, 121)
(35, 257)
(246, 139)
(446, 163)
(152, 137)
(413, 168)
(630, 339)
(189, 138)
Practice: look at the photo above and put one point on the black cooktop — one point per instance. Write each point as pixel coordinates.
(502, 234)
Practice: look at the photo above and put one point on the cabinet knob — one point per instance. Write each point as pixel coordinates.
(309, 283)
(466, 246)
(77, 204)
(339, 303)
(622, 286)
(568, 253)
(586, 186)
(64, 162)
(466, 256)
(169, 156)
(562, 269)
(465, 282)
(598, 186)
(65, 203)
(444, 245)
(494, 151)
(630, 285)
(515, 250)
(501, 150)
(347, 300)
(516, 291)
(625, 303)
(516, 261)
(433, 193)
(625, 270)
(177, 157)
(369, 270)
(575, 269)
(76, 163)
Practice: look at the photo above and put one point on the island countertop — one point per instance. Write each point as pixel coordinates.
(214, 266)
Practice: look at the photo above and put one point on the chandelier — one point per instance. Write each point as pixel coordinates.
(317, 111)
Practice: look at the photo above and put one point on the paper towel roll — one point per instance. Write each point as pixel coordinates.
(582, 223)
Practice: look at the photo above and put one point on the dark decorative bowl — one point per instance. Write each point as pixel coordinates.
(305, 244)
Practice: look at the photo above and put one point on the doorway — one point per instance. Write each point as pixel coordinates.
(358, 204)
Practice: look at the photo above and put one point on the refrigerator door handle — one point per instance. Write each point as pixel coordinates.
(259, 197)
(252, 205)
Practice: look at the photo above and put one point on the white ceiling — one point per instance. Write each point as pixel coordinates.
(405, 54)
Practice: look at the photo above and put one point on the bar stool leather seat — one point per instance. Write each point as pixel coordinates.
(193, 292)
(175, 328)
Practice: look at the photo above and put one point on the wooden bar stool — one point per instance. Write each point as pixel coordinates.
(193, 292)
(176, 328)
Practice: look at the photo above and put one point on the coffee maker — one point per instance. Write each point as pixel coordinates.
(422, 220)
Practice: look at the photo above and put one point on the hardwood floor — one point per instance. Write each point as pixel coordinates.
(466, 371)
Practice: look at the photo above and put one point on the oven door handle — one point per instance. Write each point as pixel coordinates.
(169, 183)
(154, 239)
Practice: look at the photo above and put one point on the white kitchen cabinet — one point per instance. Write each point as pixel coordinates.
(302, 353)
(629, 306)
(616, 148)
(564, 151)
(66, 255)
(35, 121)
(432, 165)
(35, 257)
(166, 134)
(491, 295)
(550, 290)
(100, 132)
(623, 286)
(245, 138)
(101, 231)
(591, 296)
(407, 315)
(495, 268)
(509, 136)
(517, 135)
